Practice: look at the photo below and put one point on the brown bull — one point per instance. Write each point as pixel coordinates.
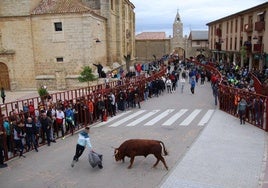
(141, 147)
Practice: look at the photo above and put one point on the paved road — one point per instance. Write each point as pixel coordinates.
(225, 154)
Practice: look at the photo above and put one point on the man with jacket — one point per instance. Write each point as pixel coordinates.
(2, 137)
(31, 132)
(46, 124)
(241, 110)
(82, 142)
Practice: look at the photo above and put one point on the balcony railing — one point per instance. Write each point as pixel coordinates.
(257, 48)
(248, 46)
(218, 32)
(218, 46)
(259, 26)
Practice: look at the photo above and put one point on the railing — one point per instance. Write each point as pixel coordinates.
(78, 98)
(255, 115)
(257, 84)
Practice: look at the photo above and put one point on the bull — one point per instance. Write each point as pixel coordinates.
(141, 147)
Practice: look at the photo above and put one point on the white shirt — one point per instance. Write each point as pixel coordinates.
(60, 114)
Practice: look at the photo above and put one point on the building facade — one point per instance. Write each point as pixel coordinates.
(150, 45)
(241, 38)
(198, 44)
(48, 42)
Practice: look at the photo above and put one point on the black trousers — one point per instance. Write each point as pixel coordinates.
(78, 152)
(1, 155)
(242, 117)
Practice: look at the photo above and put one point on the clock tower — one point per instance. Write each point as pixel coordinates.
(178, 40)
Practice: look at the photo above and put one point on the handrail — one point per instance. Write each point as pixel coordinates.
(227, 94)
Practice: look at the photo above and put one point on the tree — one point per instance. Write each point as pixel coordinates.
(43, 93)
(243, 52)
(86, 75)
(127, 59)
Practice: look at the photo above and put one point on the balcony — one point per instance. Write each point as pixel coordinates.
(248, 28)
(218, 32)
(259, 26)
(218, 46)
(248, 46)
(257, 48)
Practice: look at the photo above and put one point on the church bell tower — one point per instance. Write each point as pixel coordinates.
(177, 40)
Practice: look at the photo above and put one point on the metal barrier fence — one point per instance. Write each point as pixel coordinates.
(78, 98)
(256, 114)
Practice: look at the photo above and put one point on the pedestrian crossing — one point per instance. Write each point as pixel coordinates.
(167, 117)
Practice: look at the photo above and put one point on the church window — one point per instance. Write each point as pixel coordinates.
(58, 26)
(59, 59)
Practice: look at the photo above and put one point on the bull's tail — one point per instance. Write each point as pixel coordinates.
(164, 148)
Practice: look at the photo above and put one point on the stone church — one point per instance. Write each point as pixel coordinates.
(48, 42)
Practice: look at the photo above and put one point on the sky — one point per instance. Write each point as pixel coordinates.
(159, 15)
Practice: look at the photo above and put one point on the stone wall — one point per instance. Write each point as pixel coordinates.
(43, 56)
(145, 49)
(76, 44)
(16, 35)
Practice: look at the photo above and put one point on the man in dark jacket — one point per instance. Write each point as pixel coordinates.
(31, 132)
(99, 67)
(46, 124)
(2, 137)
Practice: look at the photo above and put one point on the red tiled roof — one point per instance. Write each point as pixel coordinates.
(151, 36)
(60, 6)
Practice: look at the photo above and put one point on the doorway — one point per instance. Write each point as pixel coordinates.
(4, 77)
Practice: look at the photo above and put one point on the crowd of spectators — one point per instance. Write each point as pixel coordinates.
(50, 120)
(38, 124)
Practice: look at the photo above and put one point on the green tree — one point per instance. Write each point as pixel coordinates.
(43, 93)
(243, 51)
(127, 59)
(86, 75)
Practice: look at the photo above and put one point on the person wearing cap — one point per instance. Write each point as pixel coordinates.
(82, 142)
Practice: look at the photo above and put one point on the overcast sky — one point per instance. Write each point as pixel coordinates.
(159, 15)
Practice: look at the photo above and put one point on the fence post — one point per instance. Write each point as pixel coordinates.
(266, 123)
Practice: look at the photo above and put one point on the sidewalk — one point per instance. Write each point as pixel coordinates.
(225, 155)
(19, 95)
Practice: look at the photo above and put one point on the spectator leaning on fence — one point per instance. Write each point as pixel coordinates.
(241, 110)
(2, 137)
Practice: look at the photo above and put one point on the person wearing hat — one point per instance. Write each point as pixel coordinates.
(82, 142)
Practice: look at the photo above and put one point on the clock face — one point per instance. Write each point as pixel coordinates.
(178, 30)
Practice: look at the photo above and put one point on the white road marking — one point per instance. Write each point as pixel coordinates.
(190, 118)
(206, 117)
(127, 118)
(111, 119)
(175, 117)
(156, 119)
(133, 123)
